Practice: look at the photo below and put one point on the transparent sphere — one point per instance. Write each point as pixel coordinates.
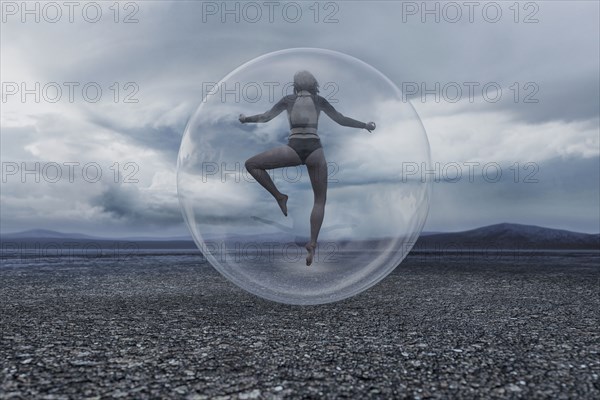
(377, 201)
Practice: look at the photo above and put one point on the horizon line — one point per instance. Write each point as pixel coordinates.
(188, 236)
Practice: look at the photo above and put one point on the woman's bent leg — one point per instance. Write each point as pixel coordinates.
(279, 157)
(317, 171)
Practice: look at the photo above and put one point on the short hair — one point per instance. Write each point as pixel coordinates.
(304, 80)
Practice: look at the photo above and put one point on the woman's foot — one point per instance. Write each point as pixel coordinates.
(310, 247)
(282, 201)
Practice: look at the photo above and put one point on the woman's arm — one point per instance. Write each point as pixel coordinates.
(267, 116)
(342, 119)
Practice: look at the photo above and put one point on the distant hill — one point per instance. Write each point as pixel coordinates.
(499, 236)
(511, 236)
(34, 238)
(45, 234)
(49, 234)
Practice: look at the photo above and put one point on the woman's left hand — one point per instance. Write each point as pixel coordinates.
(370, 126)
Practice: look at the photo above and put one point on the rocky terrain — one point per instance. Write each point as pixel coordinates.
(523, 326)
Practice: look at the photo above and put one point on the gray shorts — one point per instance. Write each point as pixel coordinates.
(304, 147)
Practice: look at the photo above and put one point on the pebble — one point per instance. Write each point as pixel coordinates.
(254, 394)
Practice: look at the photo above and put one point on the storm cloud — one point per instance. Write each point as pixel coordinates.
(153, 75)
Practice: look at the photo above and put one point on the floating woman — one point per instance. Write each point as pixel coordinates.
(304, 147)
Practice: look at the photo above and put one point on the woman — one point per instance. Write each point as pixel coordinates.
(304, 147)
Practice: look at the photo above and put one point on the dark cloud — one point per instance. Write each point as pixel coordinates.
(127, 205)
(172, 51)
(165, 139)
(561, 193)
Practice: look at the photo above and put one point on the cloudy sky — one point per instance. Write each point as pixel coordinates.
(498, 88)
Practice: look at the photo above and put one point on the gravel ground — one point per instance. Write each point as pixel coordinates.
(437, 327)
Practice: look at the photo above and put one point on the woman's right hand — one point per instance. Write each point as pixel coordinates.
(370, 126)
(242, 118)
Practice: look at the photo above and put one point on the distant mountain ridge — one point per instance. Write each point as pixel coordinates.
(46, 234)
(503, 235)
(50, 234)
(509, 235)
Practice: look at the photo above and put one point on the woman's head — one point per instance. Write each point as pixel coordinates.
(304, 80)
